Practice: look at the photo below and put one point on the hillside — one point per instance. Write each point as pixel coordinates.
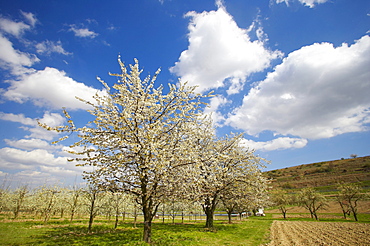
(323, 175)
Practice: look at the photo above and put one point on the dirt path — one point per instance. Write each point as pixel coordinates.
(304, 233)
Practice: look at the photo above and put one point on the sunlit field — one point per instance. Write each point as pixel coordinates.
(30, 230)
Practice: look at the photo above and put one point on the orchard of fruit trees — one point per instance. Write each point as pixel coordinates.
(152, 148)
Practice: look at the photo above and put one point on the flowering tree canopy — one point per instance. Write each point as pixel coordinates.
(140, 137)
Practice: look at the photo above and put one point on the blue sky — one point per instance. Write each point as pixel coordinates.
(293, 75)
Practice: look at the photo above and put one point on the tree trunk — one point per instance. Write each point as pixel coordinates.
(355, 216)
(283, 211)
(92, 207)
(117, 215)
(209, 211)
(16, 211)
(147, 235)
(135, 217)
(91, 220)
(116, 223)
(229, 216)
(72, 215)
(149, 210)
(123, 215)
(353, 208)
(343, 209)
(315, 215)
(354, 211)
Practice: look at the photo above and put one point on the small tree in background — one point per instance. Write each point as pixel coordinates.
(312, 201)
(95, 200)
(46, 200)
(348, 197)
(4, 194)
(282, 200)
(18, 199)
(74, 200)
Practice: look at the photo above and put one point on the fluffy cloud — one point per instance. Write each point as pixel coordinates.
(10, 57)
(11, 158)
(213, 107)
(220, 53)
(311, 3)
(29, 124)
(32, 177)
(308, 3)
(37, 166)
(20, 118)
(47, 47)
(319, 91)
(275, 144)
(50, 87)
(82, 32)
(30, 17)
(30, 144)
(12, 27)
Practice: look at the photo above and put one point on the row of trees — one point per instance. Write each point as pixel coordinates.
(153, 144)
(348, 196)
(47, 201)
(54, 201)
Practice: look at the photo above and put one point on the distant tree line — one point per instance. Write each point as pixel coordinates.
(348, 197)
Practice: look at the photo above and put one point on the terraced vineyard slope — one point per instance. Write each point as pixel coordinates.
(324, 176)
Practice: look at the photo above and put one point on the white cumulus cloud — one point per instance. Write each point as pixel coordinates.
(14, 28)
(311, 3)
(12, 158)
(31, 125)
(275, 144)
(319, 91)
(30, 17)
(50, 87)
(30, 144)
(220, 53)
(10, 57)
(47, 47)
(308, 3)
(213, 107)
(82, 32)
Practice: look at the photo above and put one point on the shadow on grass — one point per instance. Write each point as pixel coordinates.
(100, 235)
(125, 234)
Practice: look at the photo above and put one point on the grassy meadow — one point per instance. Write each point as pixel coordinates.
(250, 231)
(28, 231)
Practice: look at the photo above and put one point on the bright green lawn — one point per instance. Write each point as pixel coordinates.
(253, 231)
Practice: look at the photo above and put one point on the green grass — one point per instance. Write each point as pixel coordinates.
(252, 231)
(248, 232)
(20, 233)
